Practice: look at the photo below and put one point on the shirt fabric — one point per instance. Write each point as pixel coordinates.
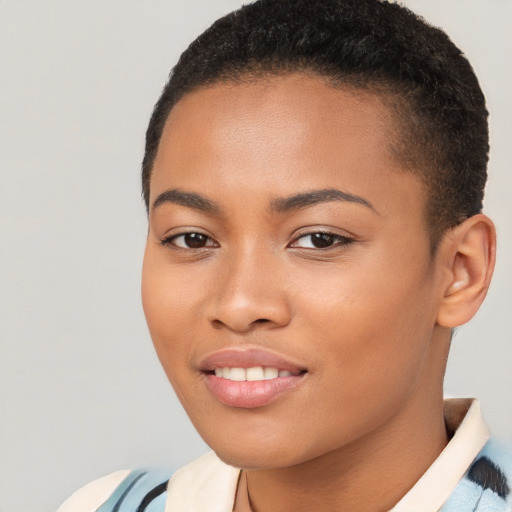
(471, 474)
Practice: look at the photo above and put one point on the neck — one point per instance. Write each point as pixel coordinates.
(371, 474)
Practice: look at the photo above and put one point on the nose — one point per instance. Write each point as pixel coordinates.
(250, 293)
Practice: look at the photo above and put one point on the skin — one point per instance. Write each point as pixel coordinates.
(361, 316)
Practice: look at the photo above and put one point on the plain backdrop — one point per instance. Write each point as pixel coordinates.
(82, 393)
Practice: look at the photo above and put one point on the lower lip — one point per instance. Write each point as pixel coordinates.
(250, 394)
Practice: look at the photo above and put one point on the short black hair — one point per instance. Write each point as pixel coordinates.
(370, 45)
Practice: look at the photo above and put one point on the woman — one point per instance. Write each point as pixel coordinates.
(314, 175)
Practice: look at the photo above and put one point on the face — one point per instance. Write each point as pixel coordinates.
(287, 281)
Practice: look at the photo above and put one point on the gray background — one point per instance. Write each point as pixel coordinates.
(82, 393)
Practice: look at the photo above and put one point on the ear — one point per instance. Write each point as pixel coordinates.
(468, 255)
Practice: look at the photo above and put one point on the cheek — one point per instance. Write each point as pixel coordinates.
(167, 312)
(375, 325)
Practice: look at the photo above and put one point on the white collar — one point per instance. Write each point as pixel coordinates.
(206, 483)
(433, 489)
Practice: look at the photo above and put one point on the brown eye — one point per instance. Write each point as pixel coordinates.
(321, 240)
(190, 241)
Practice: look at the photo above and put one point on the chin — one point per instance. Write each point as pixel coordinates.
(263, 451)
(254, 459)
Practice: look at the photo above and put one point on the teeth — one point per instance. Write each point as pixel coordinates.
(251, 374)
(270, 373)
(255, 373)
(238, 374)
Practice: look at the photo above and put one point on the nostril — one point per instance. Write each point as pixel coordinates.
(219, 324)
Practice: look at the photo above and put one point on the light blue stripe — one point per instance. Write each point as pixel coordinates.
(112, 504)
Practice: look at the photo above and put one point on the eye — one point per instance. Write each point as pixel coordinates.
(191, 240)
(320, 240)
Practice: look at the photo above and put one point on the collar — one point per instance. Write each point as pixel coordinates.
(430, 492)
(206, 483)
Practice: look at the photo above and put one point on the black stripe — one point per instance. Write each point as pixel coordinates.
(151, 495)
(127, 490)
(489, 476)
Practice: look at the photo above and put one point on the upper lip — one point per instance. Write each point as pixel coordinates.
(249, 358)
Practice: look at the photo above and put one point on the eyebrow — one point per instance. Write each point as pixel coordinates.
(279, 205)
(313, 197)
(188, 199)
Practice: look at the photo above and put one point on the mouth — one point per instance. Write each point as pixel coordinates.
(250, 378)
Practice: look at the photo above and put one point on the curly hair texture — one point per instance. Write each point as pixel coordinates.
(368, 45)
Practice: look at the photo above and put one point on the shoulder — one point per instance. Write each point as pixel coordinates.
(94, 494)
(196, 486)
(487, 485)
(133, 489)
(492, 470)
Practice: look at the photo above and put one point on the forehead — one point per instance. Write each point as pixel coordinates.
(276, 133)
(297, 107)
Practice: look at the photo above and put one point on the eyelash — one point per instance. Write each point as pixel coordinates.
(338, 241)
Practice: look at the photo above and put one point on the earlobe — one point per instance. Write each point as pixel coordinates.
(470, 252)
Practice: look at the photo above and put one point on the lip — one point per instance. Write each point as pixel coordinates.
(250, 394)
(248, 358)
